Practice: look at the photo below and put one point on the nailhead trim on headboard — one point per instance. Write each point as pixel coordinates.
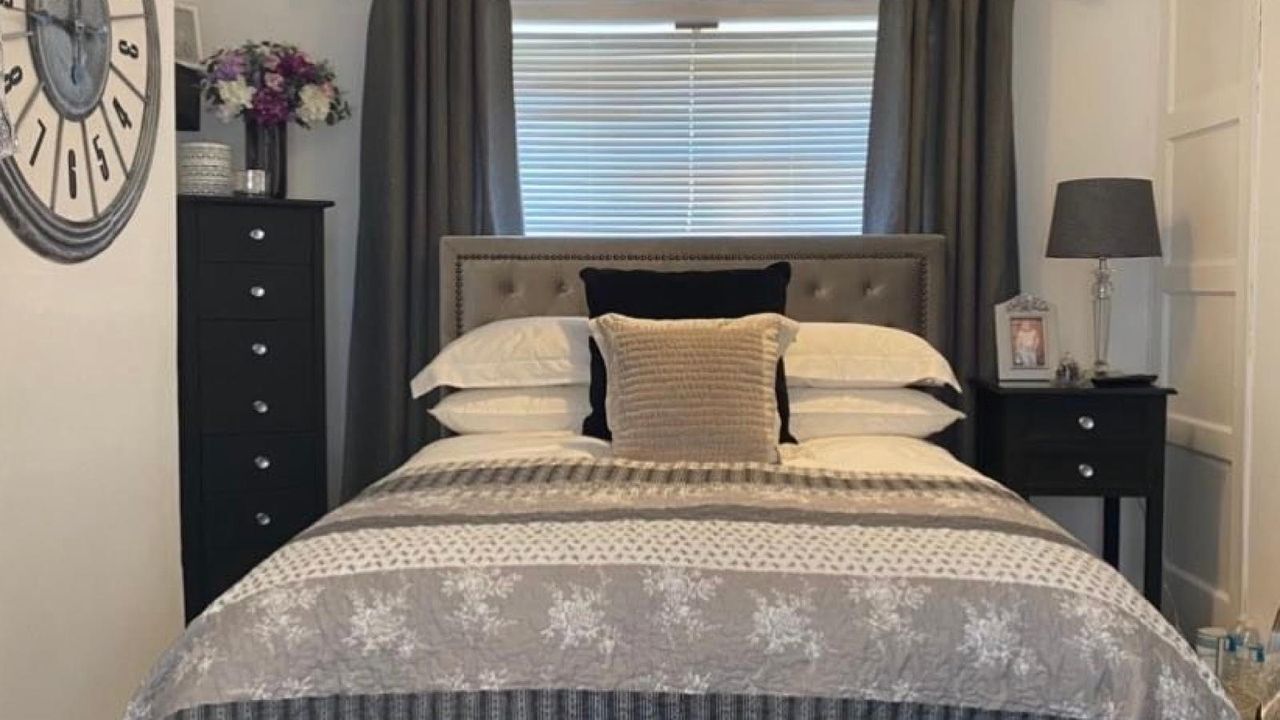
(922, 267)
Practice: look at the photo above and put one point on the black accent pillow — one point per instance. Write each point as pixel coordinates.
(655, 295)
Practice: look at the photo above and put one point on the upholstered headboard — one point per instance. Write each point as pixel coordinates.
(894, 280)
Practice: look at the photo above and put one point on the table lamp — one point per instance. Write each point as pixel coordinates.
(1104, 218)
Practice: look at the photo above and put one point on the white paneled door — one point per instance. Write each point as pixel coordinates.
(1205, 191)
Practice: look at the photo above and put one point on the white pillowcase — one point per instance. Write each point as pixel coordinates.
(822, 412)
(520, 352)
(514, 410)
(853, 355)
(549, 351)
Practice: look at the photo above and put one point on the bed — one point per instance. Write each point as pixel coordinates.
(535, 577)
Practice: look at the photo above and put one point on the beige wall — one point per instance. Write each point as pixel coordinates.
(323, 163)
(1086, 94)
(90, 586)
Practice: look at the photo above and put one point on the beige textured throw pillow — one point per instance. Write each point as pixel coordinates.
(693, 390)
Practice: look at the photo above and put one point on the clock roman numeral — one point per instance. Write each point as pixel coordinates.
(73, 184)
(35, 151)
(99, 153)
(128, 49)
(12, 79)
(121, 114)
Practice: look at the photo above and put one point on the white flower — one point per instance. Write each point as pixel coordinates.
(380, 623)
(1100, 631)
(236, 96)
(994, 635)
(315, 104)
(1175, 697)
(683, 593)
(578, 618)
(198, 658)
(889, 608)
(786, 623)
(281, 622)
(480, 591)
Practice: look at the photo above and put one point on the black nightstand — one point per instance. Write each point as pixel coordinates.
(1038, 439)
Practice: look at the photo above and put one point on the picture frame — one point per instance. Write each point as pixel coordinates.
(1026, 339)
(187, 49)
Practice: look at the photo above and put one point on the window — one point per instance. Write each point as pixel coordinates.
(745, 127)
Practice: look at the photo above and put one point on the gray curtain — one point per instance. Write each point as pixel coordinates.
(438, 158)
(941, 157)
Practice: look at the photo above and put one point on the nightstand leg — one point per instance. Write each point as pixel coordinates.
(1153, 555)
(1111, 531)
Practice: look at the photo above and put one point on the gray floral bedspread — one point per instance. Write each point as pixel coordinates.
(540, 590)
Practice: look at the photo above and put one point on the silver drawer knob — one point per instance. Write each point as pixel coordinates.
(1086, 470)
(259, 349)
(1086, 423)
(262, 519)
(258, 291)
(262, 462)
(261, 407)
(258, 234)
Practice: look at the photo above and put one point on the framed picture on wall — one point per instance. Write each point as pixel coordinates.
(1026, 339)
(186, 36)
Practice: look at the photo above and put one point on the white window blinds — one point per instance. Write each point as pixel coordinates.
(748, 128)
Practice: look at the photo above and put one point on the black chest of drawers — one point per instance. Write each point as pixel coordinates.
(251, 383)
(1109, 443)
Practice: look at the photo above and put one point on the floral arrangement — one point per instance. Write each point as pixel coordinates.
(273, 84)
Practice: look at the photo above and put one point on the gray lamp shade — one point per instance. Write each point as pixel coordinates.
(1104, 217)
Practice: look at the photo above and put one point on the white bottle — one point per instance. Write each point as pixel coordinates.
(1236, 637)
(1273, 650)
(1254, 651)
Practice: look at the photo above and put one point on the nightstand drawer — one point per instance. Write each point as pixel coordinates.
(255, 292)
(249, 463)
(1082, 470)
(263, 518)
(263, 349)
(227, 565)
(1091, 419)
(258, 404)
(255, 234)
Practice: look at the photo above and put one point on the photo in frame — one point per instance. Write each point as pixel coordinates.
(1026, 339)
(186, 36)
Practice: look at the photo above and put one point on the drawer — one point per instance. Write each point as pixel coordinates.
(255, 234)
(250, 463)
(227, 565)
(231, 349)
(1083, 470)
(259, 518)
(258, 404)
(255, 292)
(1083, 419)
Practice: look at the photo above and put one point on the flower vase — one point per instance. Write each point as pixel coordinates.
(267, 148)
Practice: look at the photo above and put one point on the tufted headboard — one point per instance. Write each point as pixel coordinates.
(894, 280)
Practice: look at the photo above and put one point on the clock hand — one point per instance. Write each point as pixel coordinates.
(77, 39)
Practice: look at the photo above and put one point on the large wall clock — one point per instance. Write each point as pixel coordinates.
(82, 83)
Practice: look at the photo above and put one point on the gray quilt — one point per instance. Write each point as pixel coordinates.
(611, 589)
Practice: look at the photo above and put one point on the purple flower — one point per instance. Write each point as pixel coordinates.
(229, 66)
(270, 107)
(297, 65)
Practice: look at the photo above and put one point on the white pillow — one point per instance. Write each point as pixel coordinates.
(521, 352)
(852, 355)
(545, 351)
(514, 410)
(821, 412)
